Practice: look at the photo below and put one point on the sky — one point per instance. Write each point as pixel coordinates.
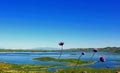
(26, 24)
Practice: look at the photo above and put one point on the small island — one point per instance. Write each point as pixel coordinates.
(118, 60)
(71, 62)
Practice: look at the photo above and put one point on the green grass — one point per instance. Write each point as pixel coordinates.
(89, 70)
(24, 68)
(16, 68)
(71, 61)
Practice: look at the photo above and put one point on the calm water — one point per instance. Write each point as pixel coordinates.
(26, 58)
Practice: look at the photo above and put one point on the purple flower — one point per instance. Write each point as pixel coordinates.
(61, 43)
(95, 50)
(83, 53)
(102, 59)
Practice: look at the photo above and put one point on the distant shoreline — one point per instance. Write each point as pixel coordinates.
(106, 49)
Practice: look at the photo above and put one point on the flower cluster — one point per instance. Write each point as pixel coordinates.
(61, 43)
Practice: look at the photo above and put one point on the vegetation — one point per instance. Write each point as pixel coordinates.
(22, 50)
(86, 70)
(71, 61)
(15, 68)
(118, 60)
(106, 49)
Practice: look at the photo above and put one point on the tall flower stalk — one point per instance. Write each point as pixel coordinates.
(101, 59)
(61, 44)
(95, 50)
(83, 53)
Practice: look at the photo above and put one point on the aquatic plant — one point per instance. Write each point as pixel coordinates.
(61, 44)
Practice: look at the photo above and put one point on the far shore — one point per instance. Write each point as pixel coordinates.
(106, 49)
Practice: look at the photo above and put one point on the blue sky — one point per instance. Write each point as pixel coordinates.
(44, 23)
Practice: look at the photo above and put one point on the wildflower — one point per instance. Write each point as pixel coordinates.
(102, 59)
(83, 53)
(94, 50)
(61, 44)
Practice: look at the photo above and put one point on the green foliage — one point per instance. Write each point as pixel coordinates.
(62, 60)
(25, 68)
(16, 68)
(106, 49)
(88, 70)
(22, 50)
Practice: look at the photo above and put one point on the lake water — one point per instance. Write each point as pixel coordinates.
(26, 58)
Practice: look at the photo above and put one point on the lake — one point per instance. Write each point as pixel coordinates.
(26, 58)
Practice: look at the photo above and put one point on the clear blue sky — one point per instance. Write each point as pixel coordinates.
(44, 23)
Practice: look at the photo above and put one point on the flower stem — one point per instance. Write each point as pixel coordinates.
(92, 56)
(78, 60)
(60, 53)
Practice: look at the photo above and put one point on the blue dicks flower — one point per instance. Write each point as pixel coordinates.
(95, 50)
(61, 43)
(83, 53)
(102, 59)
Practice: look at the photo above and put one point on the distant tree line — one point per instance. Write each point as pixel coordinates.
(106, 49)
(22, 50)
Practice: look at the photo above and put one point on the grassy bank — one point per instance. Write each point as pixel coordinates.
(16, 68)
(72, 62)
(88, 70)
